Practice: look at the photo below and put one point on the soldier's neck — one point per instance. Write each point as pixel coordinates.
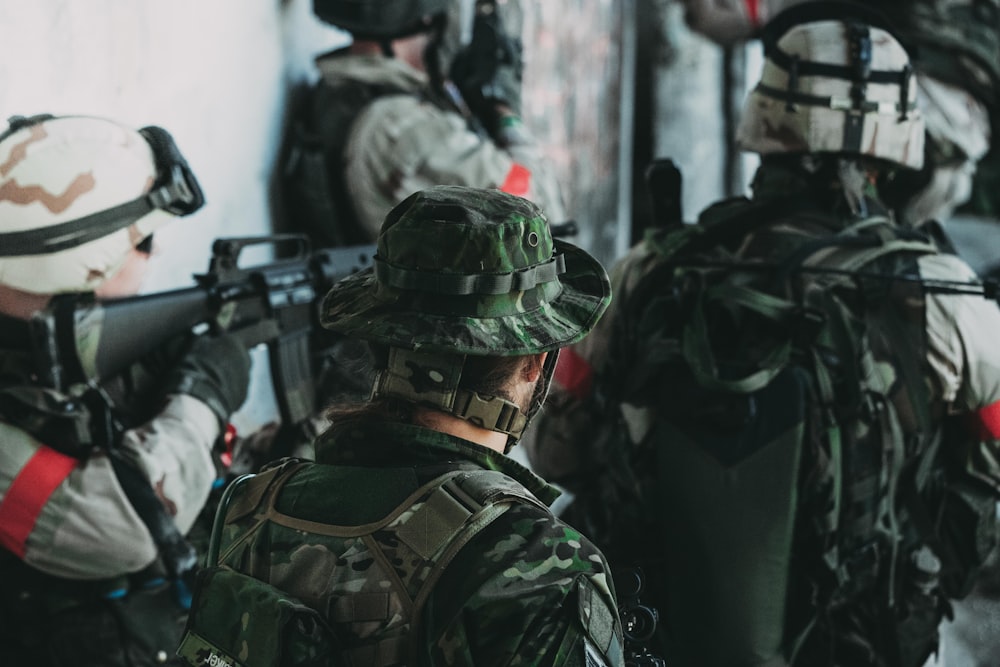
(461, 428)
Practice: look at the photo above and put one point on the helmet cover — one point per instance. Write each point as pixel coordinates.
(59, 170)
(836, 86)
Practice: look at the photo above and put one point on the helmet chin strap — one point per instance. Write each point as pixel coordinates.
(431, 379)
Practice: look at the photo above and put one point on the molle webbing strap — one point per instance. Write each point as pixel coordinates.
(437, 520)
(858, 260)
(459, 497)
(831, 71)
(453, 284)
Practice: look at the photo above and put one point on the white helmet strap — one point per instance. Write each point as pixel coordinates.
(73, 233)
(176, 190)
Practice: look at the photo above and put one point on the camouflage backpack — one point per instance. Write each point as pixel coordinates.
(314, 187)
(793, 430)
(252, 608)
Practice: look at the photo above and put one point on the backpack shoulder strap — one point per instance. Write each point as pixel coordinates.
(244, 496)
(464, 504)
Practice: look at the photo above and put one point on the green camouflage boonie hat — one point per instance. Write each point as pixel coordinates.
(470, 271)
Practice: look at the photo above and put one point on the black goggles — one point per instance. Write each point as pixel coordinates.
(176, 191)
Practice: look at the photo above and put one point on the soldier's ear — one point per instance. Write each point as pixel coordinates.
(531, 370)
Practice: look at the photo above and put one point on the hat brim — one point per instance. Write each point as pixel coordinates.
(358, 307)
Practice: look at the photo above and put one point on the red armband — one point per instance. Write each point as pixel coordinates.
(28, 493)
(518, 181)
(987, 421)
(753, 11)
(574, 374)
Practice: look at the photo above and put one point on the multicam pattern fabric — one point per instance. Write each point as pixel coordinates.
(358, 540)
(449, 295)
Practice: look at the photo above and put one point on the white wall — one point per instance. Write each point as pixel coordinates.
(213, 73)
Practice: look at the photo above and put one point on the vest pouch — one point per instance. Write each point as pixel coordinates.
(727, 499)
(239, 621)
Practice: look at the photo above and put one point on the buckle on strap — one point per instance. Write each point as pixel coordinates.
(177, 191)
(493, 413)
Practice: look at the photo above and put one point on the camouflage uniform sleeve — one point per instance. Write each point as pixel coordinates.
(560, 445)
(965, 359)
(401, 144)
(85, 527)
(529, 590)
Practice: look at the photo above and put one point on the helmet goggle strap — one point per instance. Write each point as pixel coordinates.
(858, 72)
(431, 379)
(176, 191)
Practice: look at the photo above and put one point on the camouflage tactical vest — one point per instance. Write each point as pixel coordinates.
(344, 594)
(793, 444)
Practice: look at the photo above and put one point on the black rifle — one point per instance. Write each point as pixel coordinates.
(481, 68)
(79, 339)
(665, 184)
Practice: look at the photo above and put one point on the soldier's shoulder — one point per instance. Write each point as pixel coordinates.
(535, 548)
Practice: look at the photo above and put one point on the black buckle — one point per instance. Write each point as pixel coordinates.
(176, 196)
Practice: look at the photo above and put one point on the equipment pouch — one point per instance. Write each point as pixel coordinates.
(239, 621)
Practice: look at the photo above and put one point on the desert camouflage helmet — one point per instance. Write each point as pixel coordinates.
(470, 271)
(379, 19)
(77, 193)
(835, 85)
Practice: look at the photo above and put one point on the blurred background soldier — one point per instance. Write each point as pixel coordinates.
(428, 92)
(99, 483)
(788, 415)
(413, 534)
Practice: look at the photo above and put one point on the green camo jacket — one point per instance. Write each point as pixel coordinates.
(527, 589)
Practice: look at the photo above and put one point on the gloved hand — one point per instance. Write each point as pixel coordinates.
(216, 371)
(488, 71)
